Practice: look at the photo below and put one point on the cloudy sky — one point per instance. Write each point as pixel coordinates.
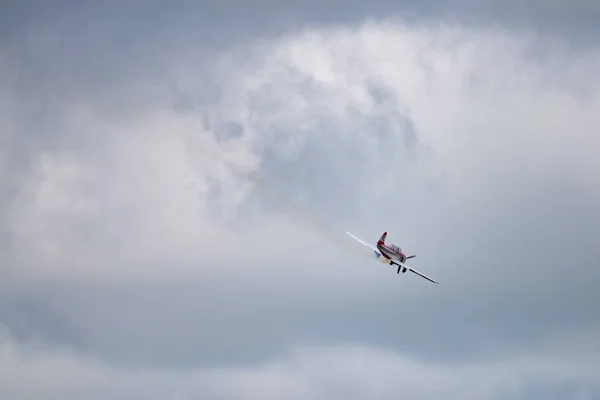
(175, 181)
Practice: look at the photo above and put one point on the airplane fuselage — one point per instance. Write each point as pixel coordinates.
(390, 254)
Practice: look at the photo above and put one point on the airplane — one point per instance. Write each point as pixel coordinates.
(392, 255)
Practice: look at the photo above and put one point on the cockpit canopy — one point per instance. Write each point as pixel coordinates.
(396, 248)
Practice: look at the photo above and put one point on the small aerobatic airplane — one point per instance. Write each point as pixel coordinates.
(392, 255)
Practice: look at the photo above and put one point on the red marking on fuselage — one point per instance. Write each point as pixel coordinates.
(382, 246)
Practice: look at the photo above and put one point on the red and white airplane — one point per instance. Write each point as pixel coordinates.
(392, 255)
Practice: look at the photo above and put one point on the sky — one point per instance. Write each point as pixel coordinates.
(176, 180)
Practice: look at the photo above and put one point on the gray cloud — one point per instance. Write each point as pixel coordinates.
(216, 24)
(186, 212)
(322, 373)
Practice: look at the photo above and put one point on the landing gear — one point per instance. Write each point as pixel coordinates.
(400, 267)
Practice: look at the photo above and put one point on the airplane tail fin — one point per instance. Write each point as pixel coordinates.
(382, 238)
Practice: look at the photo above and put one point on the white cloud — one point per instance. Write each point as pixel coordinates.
(489, 111)
(482, 109)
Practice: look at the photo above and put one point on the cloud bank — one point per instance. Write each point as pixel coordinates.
(181, 224)
(320, 373)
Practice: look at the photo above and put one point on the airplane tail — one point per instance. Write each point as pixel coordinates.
(382, 238)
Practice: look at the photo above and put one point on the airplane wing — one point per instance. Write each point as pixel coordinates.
(420, 274)
(364, 243)
(378, 254)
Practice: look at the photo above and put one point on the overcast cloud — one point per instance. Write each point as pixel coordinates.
(175, 183)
